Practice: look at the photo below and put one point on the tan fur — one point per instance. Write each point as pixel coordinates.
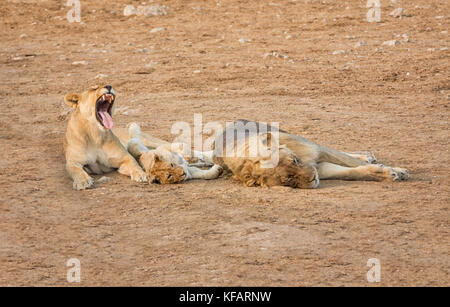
(301, 162)
(91, 147)
(165, 164)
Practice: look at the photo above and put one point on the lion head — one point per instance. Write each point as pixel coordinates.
(274, 164)
(96, 105)
(161, 171)
(289, 171)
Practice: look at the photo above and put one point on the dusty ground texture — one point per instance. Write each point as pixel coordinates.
(267, 61)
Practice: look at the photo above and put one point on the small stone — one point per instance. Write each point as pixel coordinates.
(154, 30)
(152, 10)
(244, 40)
(23, 36)
(80, 63)
(151, 64)
(197, 71)
(19, 58)
(360, 44)
(444, 48)
(391, 43)
(406, 38)
(397, 13)
(129, 10)
(64, 114)
(336, 52)
(101, 76)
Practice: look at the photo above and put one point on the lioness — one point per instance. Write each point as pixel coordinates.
(165, 164)
(301, 163)
(90, 145)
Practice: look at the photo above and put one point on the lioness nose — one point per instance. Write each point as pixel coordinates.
(108, 87)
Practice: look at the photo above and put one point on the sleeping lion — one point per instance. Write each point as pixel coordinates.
(301, 163)
(90, 146)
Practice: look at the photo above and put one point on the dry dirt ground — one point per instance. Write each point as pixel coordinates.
(263, 60)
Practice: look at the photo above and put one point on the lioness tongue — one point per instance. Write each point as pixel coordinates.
(106, 119)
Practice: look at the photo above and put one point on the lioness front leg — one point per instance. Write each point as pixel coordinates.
(129, 167)
(372, 172)
(81, 179)
(121, 159)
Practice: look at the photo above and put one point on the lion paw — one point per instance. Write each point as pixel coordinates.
(390, 173)
(402, 173)
(218, 169)
(139, 176)
(370, 157)
(83, 184)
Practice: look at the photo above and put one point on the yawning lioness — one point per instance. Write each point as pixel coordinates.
(90, 145)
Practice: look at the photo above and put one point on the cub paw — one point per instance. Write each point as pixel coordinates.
(83, 184)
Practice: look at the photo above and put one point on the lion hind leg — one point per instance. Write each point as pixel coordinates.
(334, 156)
(365, 156)
(368, 172)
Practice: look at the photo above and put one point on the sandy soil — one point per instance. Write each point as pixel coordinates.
(392, 100)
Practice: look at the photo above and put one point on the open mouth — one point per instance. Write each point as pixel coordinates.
(103, 108)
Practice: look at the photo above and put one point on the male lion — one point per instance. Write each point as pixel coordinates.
(90, 145)
(301, 163)
(165, 164)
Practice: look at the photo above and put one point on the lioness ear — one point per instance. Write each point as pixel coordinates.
(72, 100)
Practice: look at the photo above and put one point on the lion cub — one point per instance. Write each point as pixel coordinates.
(165, 164)
(89, 145)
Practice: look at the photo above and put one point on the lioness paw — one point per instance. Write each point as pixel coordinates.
(139, 176)
(83, 184)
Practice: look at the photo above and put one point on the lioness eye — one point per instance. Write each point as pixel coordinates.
(171, 164)
(169, 176)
